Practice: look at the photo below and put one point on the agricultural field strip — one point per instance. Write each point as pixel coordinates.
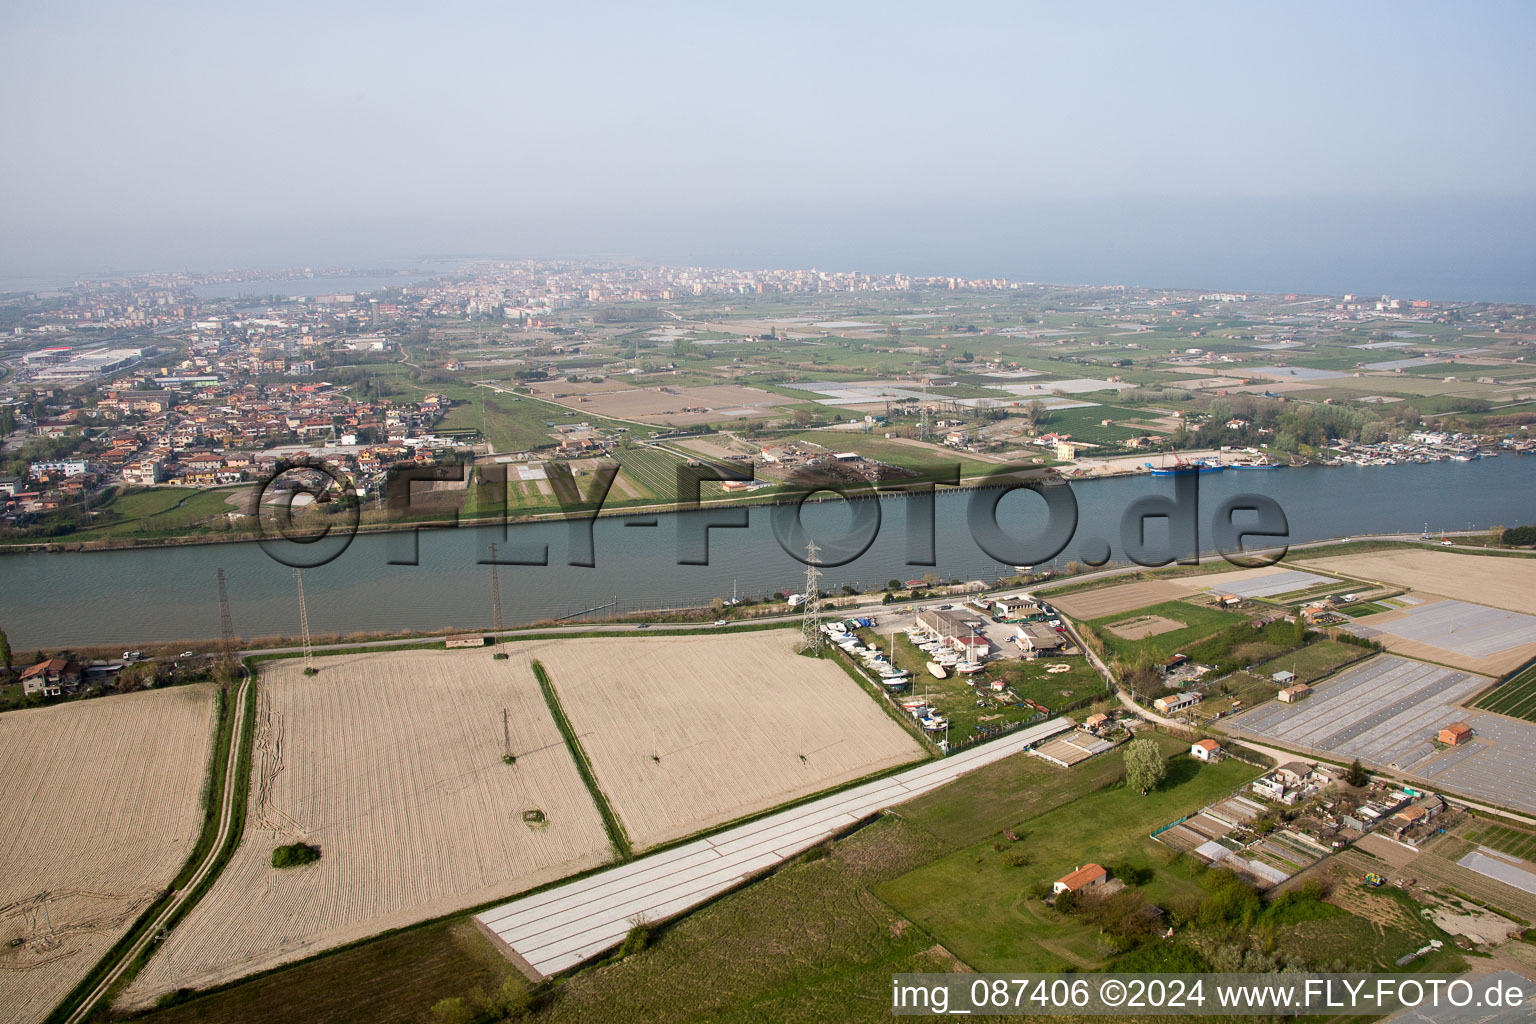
(1265, 581)
(1474, 630)
(1516, 698)
(561, 927)
(1384, 711)
(695, 732)
(1508, 583)
(1486, 862)
(392, 764)
(104, 805)
(1496, 765)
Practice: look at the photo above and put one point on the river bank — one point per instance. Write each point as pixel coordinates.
(1081, 471)
(400, 583)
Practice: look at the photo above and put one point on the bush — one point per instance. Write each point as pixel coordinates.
(294, 855)
(1129, 873)
(821, 851)
(512, 1001)
(453, 1011)
(1232, 903)
(638, 938)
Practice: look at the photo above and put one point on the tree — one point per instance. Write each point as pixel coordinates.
(5, 651)
(1356, 776)
(1144, 765)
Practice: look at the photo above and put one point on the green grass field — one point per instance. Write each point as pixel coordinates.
(1199, 623)
(1356, 611)
(391, 980)
(1314, 661)
(1516, 698)
(897, 453)
(158, 512)
(979, 907)
(514, 422)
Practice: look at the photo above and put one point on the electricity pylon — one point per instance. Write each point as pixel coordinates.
(810, 620)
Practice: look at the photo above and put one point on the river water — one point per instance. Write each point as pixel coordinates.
(142, 596)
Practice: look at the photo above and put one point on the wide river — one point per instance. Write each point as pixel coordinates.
(141, 596)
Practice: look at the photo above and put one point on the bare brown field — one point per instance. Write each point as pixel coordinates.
(1144, 626)
(1125, 597)
(688, 732)
(392, 764)
(1508, 583)
(653, 405)
(103, 802)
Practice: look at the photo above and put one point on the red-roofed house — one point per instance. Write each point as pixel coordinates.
(1085, 877)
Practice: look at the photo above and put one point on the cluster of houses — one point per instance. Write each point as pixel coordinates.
(222, 434)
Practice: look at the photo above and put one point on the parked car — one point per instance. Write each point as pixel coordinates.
(720, 622)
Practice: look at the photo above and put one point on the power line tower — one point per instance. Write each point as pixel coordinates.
(496, 601)
(810, 619)
(226, 623)
(309, 661)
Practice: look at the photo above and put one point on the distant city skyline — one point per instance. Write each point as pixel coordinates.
(1374, 147)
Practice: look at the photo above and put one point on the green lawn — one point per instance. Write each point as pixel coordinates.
(979, 805)
(158, 512)
(1199, 623)
(981, 909)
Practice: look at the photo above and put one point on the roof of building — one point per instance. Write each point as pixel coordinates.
(1084, 875)
(1210, 745)
(51, 665)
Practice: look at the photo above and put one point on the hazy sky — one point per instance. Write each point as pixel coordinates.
(169, 135)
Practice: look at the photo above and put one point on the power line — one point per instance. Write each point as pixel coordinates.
(226, 623)
(309, 661)
(495, 599)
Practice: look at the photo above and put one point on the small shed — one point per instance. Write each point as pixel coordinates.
(1284, 677)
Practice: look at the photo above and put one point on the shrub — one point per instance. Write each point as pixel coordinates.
(1232, 902)
(636, 940)
(821, 851)
(453, 1011)
(1129, 873)
(294, 855)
